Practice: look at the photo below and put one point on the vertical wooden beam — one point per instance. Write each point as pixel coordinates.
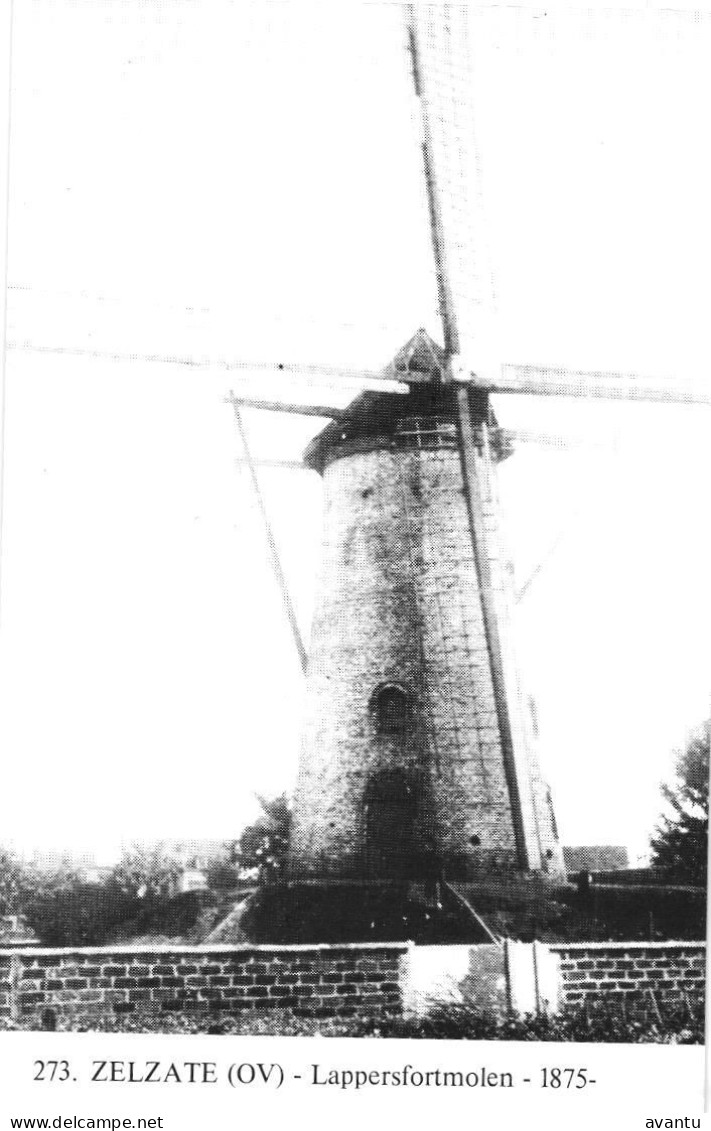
(15, 979)
(490, 613)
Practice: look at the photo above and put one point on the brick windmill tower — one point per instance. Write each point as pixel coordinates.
(418, 760)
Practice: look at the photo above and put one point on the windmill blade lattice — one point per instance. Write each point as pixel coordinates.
(441, 48)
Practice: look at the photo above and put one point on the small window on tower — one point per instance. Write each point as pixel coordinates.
(391, 709)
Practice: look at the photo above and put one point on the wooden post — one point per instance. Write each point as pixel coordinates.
(477, 523)
(15, 977)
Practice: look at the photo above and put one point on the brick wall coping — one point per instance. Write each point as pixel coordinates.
(306, 948)
(637, 945)
(213, 948)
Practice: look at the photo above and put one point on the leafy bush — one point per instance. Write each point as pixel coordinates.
(223, 876)
(603, 1022)
(147, 871)
(598, 1022)
(79, 914)
(681, 843)
(264, 845)
(157, 920)
(14, 880)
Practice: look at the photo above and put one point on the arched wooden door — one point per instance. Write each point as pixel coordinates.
(390, 825)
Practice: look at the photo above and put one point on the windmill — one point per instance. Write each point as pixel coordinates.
(418, 755)
(427, 764)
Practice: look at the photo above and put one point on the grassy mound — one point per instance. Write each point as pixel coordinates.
(528, 908)
(339, 914)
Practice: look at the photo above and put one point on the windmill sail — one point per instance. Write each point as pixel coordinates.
(556, 380)
(441, 59)
(441, 45)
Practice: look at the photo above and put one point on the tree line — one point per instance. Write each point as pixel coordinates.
(63, 909)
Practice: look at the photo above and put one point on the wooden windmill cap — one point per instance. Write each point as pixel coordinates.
(373, 416)
(420, 360)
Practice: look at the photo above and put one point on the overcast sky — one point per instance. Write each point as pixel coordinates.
(226, 180)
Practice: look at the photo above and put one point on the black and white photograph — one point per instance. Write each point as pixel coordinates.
(354, 553)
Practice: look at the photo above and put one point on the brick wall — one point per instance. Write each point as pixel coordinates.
(310, 981)
(316, 981)
(594, 971)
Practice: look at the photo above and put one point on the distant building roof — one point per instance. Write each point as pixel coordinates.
(596, 858)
